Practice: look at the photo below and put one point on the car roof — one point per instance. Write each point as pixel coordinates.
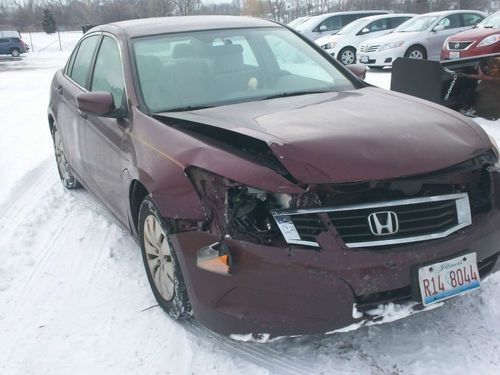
(390, 15)
(447, 12)
(326, 15)
(164, 25)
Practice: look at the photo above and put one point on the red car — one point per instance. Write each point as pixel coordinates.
(483, 39)
(270, 189)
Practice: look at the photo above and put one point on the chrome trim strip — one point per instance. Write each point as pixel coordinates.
(285, 224)
(351, 207)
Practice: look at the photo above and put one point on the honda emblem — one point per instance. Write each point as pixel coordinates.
(383, 223)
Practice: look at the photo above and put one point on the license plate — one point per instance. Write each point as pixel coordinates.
(440, 281)
(454, 55)
(363, 59)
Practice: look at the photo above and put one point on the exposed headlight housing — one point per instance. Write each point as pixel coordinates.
(238, 211)
(392, 45)
(489, 40)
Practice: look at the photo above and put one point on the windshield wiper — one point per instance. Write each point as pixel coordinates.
(294, 93)
(187, 108)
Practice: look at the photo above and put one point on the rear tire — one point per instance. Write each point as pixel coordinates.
(416, 52)
(65, 172)
(15, 52)
(347, 56)
(161, 264)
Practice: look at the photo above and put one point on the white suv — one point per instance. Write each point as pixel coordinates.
(419, 38)
(345, 43)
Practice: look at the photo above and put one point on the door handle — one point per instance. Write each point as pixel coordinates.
(59, 90)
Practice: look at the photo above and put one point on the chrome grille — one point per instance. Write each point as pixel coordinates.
(458, 45)
(418, 219)
(369, 48)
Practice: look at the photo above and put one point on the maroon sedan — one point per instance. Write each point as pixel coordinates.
(483, 39)
(270, 189)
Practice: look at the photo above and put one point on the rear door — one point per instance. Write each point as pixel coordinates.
(70, 83)
(102, 137)
(450, 25)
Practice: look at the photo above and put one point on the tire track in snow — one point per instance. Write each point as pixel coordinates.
(261, 354)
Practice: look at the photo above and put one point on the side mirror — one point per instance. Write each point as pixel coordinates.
(322, 28)
(438, 28)
(359, 70)
(99, 103)
(366, 30)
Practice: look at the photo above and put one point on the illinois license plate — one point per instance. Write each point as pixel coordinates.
(454, 55)
(440, 281)
(363, 59)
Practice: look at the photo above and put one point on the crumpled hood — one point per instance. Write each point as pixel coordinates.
(366, 134)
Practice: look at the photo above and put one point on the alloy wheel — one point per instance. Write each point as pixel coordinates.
(159, 257)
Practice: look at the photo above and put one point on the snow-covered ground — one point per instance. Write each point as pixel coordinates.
(74, 297)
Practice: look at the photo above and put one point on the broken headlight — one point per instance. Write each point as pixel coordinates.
(239, 211)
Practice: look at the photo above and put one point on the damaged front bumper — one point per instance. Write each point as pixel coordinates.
(286, 289)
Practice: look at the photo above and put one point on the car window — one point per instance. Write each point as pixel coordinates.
(450, 22)
(83, 60)
(471, 19)
(396, 21)
(4, 40)
(218, 67)
(108, 71)
(71, 61)
(378, 25)
(348, 18)
(332, 23)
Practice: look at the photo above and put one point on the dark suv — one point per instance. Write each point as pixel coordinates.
(12, 46)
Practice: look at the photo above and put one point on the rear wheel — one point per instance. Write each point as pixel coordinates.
(416, 52)
(15, 52)
(65, 172)
(160, 261)
(347, 56)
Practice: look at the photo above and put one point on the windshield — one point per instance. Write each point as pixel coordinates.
(186, 71)
(297, 22)
(416, 24)
(353, 27)
(310, 23)
(492, 21)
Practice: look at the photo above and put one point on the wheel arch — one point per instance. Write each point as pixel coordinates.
(137, 193)
(419, 45)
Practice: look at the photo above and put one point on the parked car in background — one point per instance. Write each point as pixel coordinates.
(12, 46)
(345, 43)
(270, 189)
(481, 40)
(329, 23)
(418, 38)
(296, 22)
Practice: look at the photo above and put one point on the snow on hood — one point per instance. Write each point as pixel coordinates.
(358, 135)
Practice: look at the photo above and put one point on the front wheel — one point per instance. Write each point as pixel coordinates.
(65, 172)
(416, 52)
(15, 52)
(347, 56)
(161, 264)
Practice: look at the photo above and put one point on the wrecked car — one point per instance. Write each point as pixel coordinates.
(271, 190)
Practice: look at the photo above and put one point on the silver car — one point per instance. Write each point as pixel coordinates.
(329, 23)
(419, 38)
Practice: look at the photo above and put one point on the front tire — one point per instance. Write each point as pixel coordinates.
(15, 52)
(161, 264)
(416, 52)
(65, 172)
(347, 56)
